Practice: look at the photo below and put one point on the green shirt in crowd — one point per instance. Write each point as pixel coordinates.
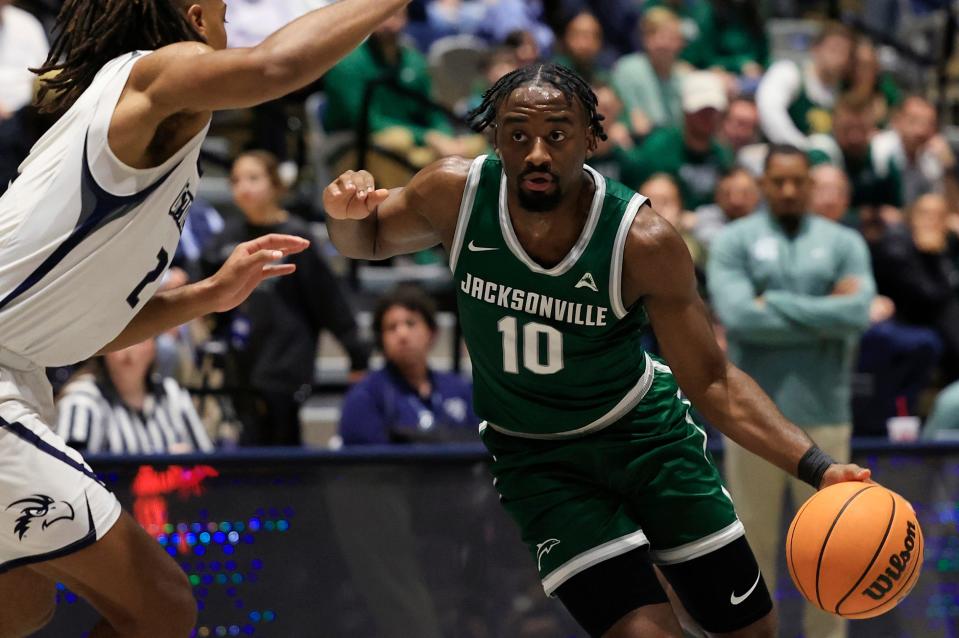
(875, 181)
(618, 164)
(665, 151)
(346, 83)
(717, 40)
(697, 23)
(799, 342)
(594, 74)
(639, 87)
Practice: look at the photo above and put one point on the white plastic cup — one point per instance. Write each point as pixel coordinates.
(903, 429)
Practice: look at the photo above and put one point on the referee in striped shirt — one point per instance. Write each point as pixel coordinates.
(116, 406)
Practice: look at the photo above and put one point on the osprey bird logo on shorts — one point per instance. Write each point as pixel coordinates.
(42, 507)
(543, 548)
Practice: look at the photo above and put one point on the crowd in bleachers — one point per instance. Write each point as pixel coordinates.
(693, 93)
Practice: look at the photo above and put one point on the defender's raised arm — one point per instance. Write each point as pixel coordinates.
(193, 77)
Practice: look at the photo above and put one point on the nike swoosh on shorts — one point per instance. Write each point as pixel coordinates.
(735, 600)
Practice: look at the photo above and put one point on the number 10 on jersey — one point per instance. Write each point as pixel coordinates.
(534, 337)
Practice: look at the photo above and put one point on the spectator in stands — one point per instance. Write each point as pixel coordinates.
(916, 266)
(740, 132)
(727, 35)
(615, 157)
(650, 83)
(665, 197)
(505, 17)
(450, 17)
(897, 361)
(582, 47)
(793, 292)
(943, 421)
(876, 181)
(117, 405)
(692, 154)
(696, 18)
(797, 100)
(407, 401)
(496, 63)
(740, 41)
(23, 45)
(617, 17)
(869, 83)
(274, 333)
(18, 134)
(740, 126)
(832, 195)
(524, 46)
(399, 123)
(924, 158)
(251, 21)
(737, 195)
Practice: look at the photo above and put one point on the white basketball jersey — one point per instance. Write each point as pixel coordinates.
(84, 238)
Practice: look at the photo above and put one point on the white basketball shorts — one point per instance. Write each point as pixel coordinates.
(51, 503)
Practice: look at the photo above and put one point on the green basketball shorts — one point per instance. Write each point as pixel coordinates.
(647, 479)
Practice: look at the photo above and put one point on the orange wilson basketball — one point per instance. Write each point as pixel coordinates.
(855, 549)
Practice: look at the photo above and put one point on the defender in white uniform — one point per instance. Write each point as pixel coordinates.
(86, 232)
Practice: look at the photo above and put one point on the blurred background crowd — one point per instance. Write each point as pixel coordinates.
(694, 93)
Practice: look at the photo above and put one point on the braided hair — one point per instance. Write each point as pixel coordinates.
(90, 33)
(566, 81)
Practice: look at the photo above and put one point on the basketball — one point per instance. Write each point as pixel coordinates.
(855, 549)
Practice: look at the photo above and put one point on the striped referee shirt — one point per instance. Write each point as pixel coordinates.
(168, 423)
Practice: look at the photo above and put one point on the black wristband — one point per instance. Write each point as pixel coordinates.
(813, 465)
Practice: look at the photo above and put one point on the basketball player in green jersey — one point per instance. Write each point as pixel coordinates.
(595, 452)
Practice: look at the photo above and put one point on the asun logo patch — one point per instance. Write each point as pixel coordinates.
(586, 281)
(39, 508)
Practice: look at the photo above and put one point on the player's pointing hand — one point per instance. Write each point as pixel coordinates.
(250, 263)
(353, 195)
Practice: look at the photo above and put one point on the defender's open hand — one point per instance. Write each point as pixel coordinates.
(250, 263)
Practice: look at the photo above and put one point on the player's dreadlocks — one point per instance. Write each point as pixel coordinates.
(90, 33)
(569, 83)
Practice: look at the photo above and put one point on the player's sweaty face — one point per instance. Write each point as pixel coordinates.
(541, 136)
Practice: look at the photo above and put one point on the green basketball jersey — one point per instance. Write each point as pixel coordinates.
(555, 352)
(809, 116)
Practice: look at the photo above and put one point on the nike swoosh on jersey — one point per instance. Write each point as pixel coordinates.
(735, 600)
(479, 249)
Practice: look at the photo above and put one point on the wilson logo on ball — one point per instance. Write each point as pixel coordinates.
(897, 565)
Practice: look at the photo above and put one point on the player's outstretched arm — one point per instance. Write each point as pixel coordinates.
(193, 78)
(658, 269)
(366, 222)
(250, 263)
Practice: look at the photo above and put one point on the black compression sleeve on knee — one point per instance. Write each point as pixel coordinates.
(603, 594)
